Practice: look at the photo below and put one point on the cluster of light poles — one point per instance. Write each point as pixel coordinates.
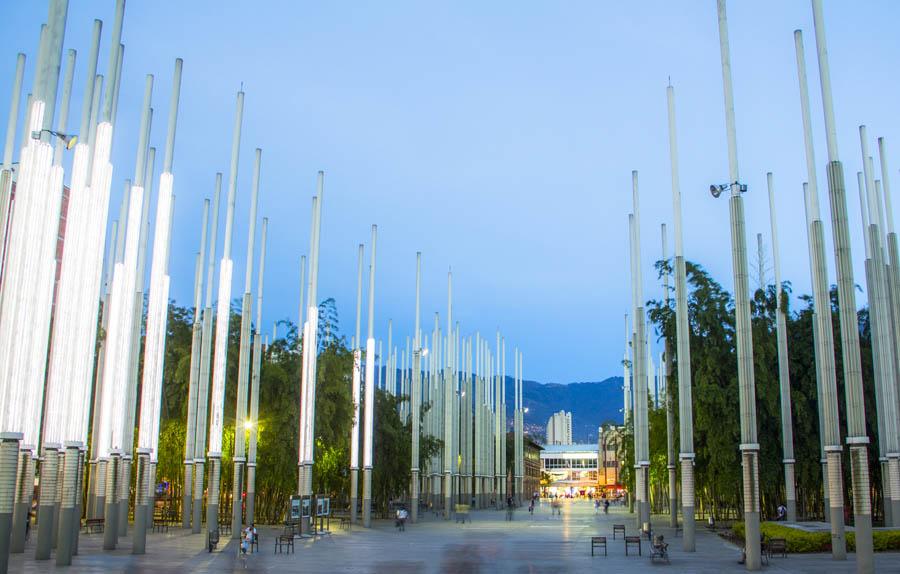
(883, 285)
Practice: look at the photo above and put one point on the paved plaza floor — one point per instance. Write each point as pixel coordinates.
(487, 544)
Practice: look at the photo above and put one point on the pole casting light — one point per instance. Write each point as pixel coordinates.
(68, 139)
(716, 190)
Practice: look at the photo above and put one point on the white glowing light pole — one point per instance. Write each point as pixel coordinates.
(823, 338)
(665, 369)
(357, 364)
(6, 173)
(853, 388)
(746, 384)
(155, 337)
(203, 369)
(117, 359)
(448, 396)
(310, 348)
(220, 353)
(254, 380)
(369, 439)
(196, 333)
(244, 364)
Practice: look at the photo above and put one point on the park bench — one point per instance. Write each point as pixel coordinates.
(254, 542)
(225, 527)
(618, 528)
(659, 548)
(598, 542)
(282, 541)
(633, 541)
(462, 513)
(159, 524)
(777, 546)
(213, 539)
(93, 525)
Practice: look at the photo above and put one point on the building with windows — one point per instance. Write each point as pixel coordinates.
(532, 479)
(573, 469)
(609, 464)
(559, 428)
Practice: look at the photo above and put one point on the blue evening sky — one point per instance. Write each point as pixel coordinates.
(496, 137)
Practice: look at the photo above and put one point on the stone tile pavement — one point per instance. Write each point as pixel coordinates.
(487, 544)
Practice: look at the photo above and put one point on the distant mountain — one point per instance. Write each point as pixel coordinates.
(591, 404)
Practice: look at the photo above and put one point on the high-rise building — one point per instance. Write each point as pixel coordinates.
(559, 428)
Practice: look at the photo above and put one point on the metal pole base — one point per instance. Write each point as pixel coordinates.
(367, 498)
(186, 498)
(197, 506)
(139, 544)
(237, 514)
(354, 490)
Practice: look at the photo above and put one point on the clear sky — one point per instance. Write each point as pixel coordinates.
(496, 137)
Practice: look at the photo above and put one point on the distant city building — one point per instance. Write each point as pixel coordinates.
(609, 467)
(559, 429)
(572, 468)
(532, 480)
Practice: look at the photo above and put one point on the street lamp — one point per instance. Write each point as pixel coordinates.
(69, 140)
(716, 190)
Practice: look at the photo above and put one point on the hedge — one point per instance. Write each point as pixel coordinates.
(802, 541)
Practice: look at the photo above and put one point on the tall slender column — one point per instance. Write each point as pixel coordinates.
(357, 365)
(666, 368)
(856, 428)
(254, 380)
(744, 341)
(223, 314)
(415, 400)
(206, 338)
(823, 337)
(448, 391)
(369, 439)
(244, 365)
(784, 376)
(894, 285)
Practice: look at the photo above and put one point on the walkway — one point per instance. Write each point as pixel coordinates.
(488, 544)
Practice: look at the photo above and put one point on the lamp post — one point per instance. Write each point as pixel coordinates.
(254, 380)
(369, 439)
(856, 428)
(415, 400)
(744, 341)
(357, 365)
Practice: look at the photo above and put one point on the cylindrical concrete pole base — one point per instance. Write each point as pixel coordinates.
(151, 494)
(79, 501)
(894, 490)
(414, 497)
(790, 491)
(237, 513)
(139, 544)
(24, 495)
(212, 501)
(367, 497)
(197, 506)
(251, 493)
(9, 462)
(186, 495)
(448, 495)
(673, 497)
(354, 492)
(60, 470)
(100, 469)
(752, 548)
(111, 510)
(124, 494)
(92, 490)
(835, 488)
(67, 506)
(49, 476)
(862, 507)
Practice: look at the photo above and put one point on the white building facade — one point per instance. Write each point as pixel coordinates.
(559, 429)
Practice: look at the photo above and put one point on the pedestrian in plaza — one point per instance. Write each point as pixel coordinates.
(509, 508)
(531, 507)
(596, 506)
(782, 513)
(402, 515)
(605, 507)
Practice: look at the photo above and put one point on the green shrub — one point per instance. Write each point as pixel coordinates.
(801, 541)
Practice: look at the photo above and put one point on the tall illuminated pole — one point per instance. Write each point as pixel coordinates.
(822, 329)
(893, 462)
(665, 368)
(254, 379)
(244, 363)
(369, 439)
(116, 369)
(203, 369)
(155, 338)
(784, 376)
(642, 445)
(310, 346)
(220, 353)
(448, 392)
(746, 385)
(415, 399)
(856, 426)
(9, 146)
(357, 364)
(683, 345)
(881, 326)
(196, 334)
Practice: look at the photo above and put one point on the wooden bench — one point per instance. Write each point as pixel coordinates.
(633, 541)
(213, 539)
(225, 527)
(92, 525)
(282, 541)
(618, 528)
(159, 524)
(598, 542)
(777, 546)
(659, 548)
